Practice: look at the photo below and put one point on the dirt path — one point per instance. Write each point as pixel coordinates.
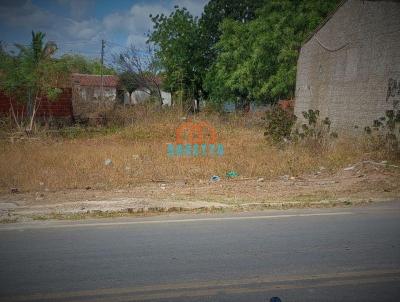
(361, 183)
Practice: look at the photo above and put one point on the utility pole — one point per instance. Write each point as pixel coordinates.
(101, 70)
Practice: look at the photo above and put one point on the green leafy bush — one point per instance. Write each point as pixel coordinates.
(279, 124)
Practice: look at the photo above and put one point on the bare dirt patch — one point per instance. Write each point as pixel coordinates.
(357, 184)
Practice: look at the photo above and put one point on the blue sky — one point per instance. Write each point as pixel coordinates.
(77, 26)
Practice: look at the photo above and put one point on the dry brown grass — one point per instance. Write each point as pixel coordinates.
(138, 153)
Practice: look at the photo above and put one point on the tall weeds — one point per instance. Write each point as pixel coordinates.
(138, 154)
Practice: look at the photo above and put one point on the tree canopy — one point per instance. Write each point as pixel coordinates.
(179, 50)
(217, 11)
(239, 50)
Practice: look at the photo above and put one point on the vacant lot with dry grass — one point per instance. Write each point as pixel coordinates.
(75, 162)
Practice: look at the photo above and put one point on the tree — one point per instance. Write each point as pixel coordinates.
(128, 81)
(257, 59)
(185, 45)
(31, 75)
(179, 52)
(227, 80)
(138, 69)
(215, 12)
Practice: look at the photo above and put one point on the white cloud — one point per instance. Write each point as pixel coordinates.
(87, 30)
(135, 23)
(79, 9)
(195, 7)
(82, 34)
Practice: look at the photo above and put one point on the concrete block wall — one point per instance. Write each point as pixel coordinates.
(350, 68)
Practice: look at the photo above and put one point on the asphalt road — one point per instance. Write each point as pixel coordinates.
(347, 254)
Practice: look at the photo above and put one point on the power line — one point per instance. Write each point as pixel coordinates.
(81, 51)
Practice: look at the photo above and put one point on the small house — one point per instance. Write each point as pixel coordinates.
(91, 93)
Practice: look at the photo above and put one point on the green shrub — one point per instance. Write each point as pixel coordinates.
(279, 124)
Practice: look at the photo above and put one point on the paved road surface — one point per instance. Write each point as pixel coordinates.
(347, 254)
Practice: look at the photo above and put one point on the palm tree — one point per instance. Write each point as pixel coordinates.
(30, 75)
(39, 52)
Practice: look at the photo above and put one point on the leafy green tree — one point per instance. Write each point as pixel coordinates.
(186, 45)
(257, 59)
(240, 51)
(179, 52)
(226, 80)
(215, 12)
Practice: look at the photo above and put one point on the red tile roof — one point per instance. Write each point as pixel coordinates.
(94, 80)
